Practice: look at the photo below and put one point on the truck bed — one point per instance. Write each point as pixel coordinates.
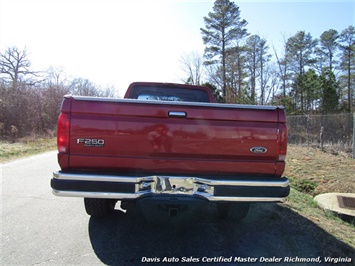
(157, 137)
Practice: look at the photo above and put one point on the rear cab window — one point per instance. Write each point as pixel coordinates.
(166, 93)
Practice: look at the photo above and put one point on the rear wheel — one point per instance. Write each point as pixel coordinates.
(99, 207)
(236, 211)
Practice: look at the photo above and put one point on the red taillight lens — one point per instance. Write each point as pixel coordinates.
(63, 133)
(282, 142)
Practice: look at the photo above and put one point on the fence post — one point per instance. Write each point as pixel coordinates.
(321, 137)
(354, 137)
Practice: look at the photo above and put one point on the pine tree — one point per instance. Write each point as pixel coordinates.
(301, 49)
(310, 85)
(347, 47)
(330, 101)
(329, 46)
(223, 29)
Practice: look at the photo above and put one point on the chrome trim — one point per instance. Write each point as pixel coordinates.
(101, 195)
(135, 101)
(168, 185)
(177, 114)
(242, 199)
(244, 183)
(103, 178)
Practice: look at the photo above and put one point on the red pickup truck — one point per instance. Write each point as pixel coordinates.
(173, 144)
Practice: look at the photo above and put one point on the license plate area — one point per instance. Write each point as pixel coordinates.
(173, 185)
(169, 185)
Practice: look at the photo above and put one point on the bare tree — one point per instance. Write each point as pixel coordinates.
(258, 57)
(284, 67)
(272, 79)
(84, 87)
(192, 66)
(56, 77)
(15, 67)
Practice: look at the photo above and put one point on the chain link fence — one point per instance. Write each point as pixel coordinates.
(333, 133)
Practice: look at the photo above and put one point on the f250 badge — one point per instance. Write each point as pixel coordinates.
(99, 143)
(258, 150)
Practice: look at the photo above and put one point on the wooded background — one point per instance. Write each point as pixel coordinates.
(311, 75)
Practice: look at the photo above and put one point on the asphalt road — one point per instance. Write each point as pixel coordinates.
(39, 228)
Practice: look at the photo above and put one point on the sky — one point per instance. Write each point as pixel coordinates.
(115, 42)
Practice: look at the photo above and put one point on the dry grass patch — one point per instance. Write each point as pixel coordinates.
(25, 147)
(315, 172)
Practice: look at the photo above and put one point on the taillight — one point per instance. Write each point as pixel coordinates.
(63, 133)
(282, 142)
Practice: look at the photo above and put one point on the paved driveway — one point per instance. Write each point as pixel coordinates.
(39, 228)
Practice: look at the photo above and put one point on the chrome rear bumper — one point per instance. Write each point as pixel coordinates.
(126, 187)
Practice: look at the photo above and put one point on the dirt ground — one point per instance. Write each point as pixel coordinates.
(315, 172)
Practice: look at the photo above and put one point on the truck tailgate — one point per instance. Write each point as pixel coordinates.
(172, 137)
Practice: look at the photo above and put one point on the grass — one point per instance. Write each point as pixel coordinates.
(314, 172)
(25, 147)
(305, 206)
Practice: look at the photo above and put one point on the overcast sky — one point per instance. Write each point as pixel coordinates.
(116, 42)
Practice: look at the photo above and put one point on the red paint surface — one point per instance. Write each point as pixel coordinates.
(140, 137)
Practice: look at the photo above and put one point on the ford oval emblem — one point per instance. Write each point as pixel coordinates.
(258, 150)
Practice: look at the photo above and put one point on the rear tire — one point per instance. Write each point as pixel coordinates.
(235, 211)
(99, 207)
